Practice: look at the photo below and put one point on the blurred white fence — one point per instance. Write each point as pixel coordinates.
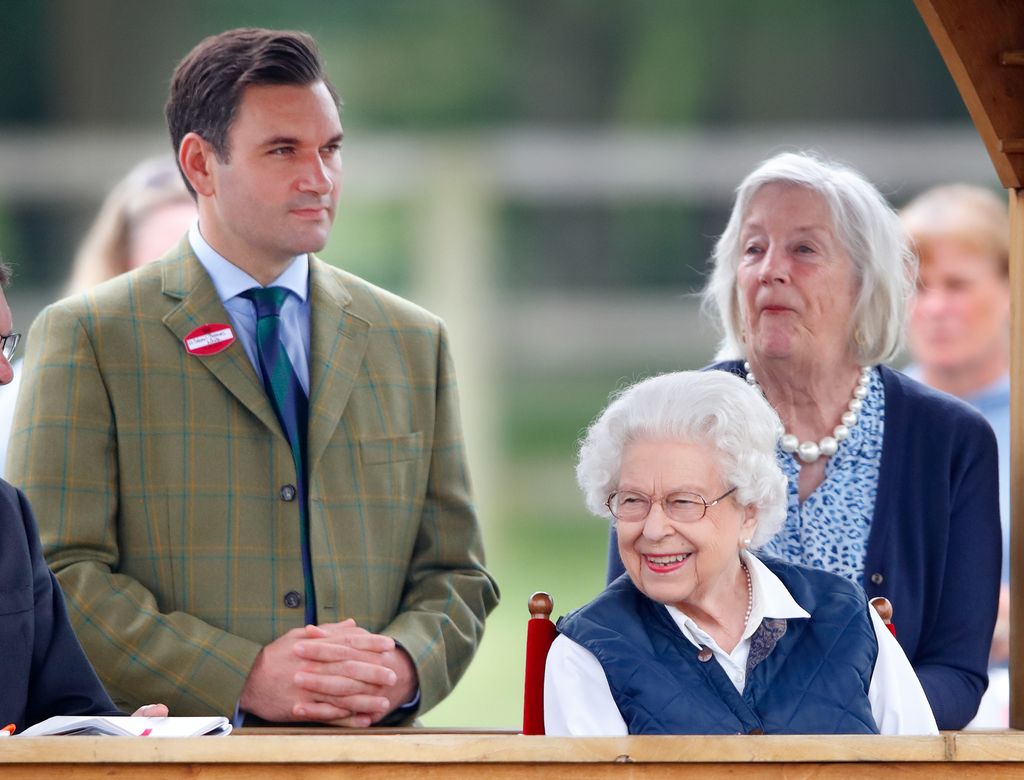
(455, 182)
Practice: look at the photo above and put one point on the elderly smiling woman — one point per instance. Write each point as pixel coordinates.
(700, 636)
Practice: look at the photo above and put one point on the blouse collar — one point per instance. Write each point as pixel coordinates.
(771, 600)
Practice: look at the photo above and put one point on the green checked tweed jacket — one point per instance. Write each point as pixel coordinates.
(157, 478)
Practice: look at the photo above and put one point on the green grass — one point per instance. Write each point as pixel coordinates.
(542, 538)
(563, 555)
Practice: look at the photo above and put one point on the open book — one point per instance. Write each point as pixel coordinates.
(94, 725)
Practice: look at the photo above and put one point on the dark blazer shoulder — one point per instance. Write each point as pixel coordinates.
(18, 541)
(10, 497)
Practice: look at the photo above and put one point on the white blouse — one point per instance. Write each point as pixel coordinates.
(578, 701)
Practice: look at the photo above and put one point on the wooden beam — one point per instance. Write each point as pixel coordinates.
(978, 40)
(973, 39)
(1016, 206)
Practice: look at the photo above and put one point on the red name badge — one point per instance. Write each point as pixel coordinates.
(209, 339)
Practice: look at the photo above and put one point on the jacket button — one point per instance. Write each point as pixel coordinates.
(756, 732)
(288, 492)
(877, 578)
(292, 599)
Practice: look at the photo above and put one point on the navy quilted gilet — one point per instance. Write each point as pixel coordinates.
(814, 680)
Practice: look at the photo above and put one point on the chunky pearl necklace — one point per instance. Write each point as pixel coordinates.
(810, 451)
(750, 596)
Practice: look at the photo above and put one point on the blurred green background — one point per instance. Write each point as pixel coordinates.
(548, 175)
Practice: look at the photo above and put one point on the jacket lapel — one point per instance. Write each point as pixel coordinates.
(338, 341)
(187, 282)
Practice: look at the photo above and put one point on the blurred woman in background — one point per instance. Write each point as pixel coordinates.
(140, 219)
(960, 343)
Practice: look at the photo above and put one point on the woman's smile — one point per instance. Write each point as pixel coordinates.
(663, 564)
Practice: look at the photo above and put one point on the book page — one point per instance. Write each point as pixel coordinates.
(88, 725)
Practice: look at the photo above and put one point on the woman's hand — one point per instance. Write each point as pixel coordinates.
(151, 711)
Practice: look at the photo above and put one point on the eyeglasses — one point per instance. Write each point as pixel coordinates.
(8, 344)
(630, 506)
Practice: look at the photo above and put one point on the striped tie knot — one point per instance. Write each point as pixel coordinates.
(268, 300)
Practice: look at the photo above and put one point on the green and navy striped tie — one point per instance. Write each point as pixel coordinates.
(291, 406)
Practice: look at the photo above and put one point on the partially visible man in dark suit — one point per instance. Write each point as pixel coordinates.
(248, 464)
(43, 671)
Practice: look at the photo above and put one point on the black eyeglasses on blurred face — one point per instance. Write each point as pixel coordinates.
(8, 344)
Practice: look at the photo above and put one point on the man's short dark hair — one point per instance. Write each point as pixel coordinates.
(207, 85)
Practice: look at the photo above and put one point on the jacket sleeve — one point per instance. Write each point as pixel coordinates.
(62, 682)
(64, 455)
(951, 658)
(448, 592)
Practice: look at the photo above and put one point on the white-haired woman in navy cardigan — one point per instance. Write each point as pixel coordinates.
(891, 484)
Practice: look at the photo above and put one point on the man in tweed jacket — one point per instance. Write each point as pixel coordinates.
(164, 483)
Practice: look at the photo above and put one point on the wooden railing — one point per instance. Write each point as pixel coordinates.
(422, 753)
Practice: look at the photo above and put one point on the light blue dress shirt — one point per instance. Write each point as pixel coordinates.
(230, 281)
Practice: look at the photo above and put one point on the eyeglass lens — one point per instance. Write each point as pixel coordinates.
(681, 507)
(8, 344)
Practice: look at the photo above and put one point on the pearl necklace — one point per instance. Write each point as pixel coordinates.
(705, 654)
(750, 596)
(810, 451)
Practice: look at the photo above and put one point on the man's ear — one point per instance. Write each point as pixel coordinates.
(197, 157)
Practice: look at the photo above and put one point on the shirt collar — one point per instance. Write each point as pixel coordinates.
(229, 280)
(771, 600)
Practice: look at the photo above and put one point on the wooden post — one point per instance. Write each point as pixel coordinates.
(980, 43)
(1016, 206)
(454, 276)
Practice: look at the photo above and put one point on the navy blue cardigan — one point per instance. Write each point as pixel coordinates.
(43, 671)
(934, 549)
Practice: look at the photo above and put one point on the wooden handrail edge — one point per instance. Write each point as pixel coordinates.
(516, 749)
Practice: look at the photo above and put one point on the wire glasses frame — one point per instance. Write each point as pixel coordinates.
(8, 344)
(631, 506)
